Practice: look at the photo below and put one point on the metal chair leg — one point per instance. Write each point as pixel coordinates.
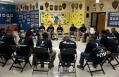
(5, 63)
(102, 69)
(23, 67)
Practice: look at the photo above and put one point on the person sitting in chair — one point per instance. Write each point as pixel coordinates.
(115, 33)
(41, 29)
(89, 48)
(107, 41)
(50, 30)
(2, 32)
(88, 32)
(60, 31)
(81, 32)
(66, 44)
(72, 30)
(21, 31)
(28, 41)
(8, 40)
(45, 43)
(33, 31)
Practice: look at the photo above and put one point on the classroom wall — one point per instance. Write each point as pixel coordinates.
(68, 9)
(106, 8)
(4, 11)
(87, 21)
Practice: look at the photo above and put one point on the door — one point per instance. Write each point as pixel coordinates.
(94, 20)
(101, 21)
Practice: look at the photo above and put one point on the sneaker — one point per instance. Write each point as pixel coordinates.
(79, 66)
(50, 66)
(17, 61)
(94, 65)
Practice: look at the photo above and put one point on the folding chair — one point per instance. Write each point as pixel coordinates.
(24, 57)
(97, 60)
(111, 57)
(42, 55)
(66, 52)
(3, 55)
(34, 37)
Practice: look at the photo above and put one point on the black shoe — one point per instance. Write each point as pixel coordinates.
(51, 66)
(94, 65)
(79, 66)
(42, 65)
(17, 61)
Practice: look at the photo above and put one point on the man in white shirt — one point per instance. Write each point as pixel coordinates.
(89, 31)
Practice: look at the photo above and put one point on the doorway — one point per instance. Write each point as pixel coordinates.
(98, 21)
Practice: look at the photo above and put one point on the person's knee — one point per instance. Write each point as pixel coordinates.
(82, 53)
(54, 53)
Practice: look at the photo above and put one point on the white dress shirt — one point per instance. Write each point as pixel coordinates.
(91, 31)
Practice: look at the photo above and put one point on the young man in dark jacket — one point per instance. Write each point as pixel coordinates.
(89, 48)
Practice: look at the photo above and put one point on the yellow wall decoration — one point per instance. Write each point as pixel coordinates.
(77, 18)
(54, 18)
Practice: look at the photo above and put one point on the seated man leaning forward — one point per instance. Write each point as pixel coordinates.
(60, 31)
(45, 43)
(66, 44)
(89, 48)
(41, 29)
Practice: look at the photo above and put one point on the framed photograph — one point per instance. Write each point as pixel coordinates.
(28, 22)
(93, 9)
(41, 7)
(110, 18)
(11, 15)
(3, 15)
(0, 14)
(23, 21)
(7, 8)
(7, 15)
(19, 21)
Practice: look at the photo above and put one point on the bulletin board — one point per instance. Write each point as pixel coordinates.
(26, 18)
(77, 18)
(54, 18)
(113, 19)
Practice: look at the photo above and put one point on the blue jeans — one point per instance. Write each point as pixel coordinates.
(82, 56)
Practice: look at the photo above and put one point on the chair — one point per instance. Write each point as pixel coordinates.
(66, 52)
(111, 57)
(97, 60)
(59, 35)
(3, 55)
(25, 58)
(34, 37)
(42, 55)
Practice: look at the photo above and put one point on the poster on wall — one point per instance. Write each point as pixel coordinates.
(77, 18)
(54, 18)
(7, 15)
(3, 15)
(113, 19)
(11, 15)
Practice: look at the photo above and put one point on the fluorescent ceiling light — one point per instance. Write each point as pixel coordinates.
(7, 0)
(97, 1)
(3, 2)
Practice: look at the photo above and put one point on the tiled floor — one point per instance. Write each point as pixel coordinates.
(5, 72)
